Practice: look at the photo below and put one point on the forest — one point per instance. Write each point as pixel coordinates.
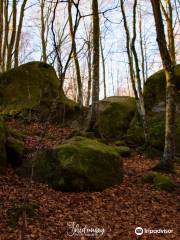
(89, 119)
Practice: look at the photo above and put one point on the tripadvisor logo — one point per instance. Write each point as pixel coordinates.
(139, 231)
(77, 230)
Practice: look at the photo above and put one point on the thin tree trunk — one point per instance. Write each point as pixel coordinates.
(89, 74)
(75, 56)
(139, 84)
(1, 32)
(141, 48)
(95, 73)
(43, 41)
(13, 36)
(6, 33)
(169, 22)
(168, 158)
(18, 36)
(139, 101)
(103, 67)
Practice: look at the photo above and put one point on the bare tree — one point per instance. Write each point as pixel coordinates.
(168, 65)
(169, 23)
(1, 32)
(75, 57)
(95, 73)
(135, 72)
(13, 36)
(18, 35)
(43, 40)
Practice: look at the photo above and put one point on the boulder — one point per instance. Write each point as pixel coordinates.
(3, 159)
(154, 95)
(80, 164)
(116, 114)
(31, 91)
(155, 90)
(15, 149)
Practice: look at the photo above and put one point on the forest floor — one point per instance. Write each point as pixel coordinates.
(117, 210)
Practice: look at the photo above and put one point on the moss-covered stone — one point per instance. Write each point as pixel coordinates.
(156, 127)
(115, 116)
(163, 182)
(31, 91)
(149, 177)
(124, 151)
(78, 165)
(25, 86)
(154, 90)
(3, 159)
(15, 150)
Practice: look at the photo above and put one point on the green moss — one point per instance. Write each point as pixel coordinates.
(124, 151)
(115, 116)
(79, 164)
(156, 127)
(31, 91)
(163, 182)
(119, 143)
(149, 177)
(154, 91)
(24, 87)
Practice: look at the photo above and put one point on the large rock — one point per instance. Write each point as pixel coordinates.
(78, 165)
(32, 91)
(154, 95)
(3, 160)
(15, 147)
(116, 114)
(155, 90)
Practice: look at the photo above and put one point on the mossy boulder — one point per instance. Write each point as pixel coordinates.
(15, 150)
(154, 96)
(160, 181)
(163, 182)
(156, 128)
(31, 91)
(81, 164)
(3, 159)
(115, 116)
(155, 89)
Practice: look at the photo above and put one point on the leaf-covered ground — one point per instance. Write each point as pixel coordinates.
(119, 210)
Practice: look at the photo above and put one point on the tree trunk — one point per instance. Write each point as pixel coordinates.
(1, 32)
(13, 36)
(75, 56)
(18, 36)
(6, 34)
(43, 41)
(169, 22)
(103, 67)
(168, 157)
(89, 74)
(137, 94)
(95, 73)
(139, 84)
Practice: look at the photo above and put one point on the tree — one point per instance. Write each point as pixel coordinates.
(168, 65)
(131, 51)
(95, 66)
(1, 31)
(169, 23)
(43, 41)
(75, 56)
(18, 35)
(13, 36)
